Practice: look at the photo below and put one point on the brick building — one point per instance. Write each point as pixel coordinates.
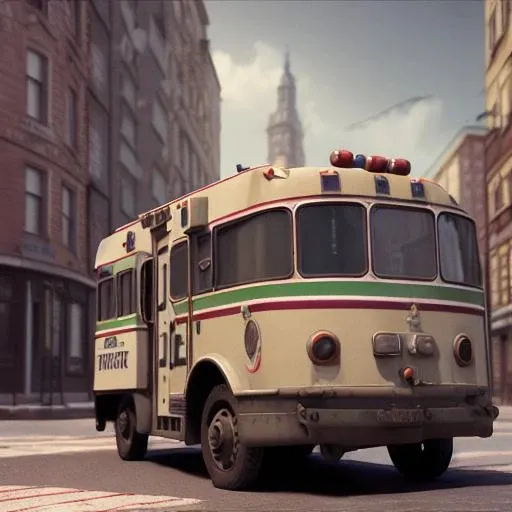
(45, 284)
(92, 96)
(498, 160)
(460, 169)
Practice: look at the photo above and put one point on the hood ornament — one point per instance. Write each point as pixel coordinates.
(413, 319)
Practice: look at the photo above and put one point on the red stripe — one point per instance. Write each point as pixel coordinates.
(38, 496)
(71, 501)
(182, 198)
(114, 261)
(256, 366)
(249, 209)
(269, 203)
(19, 489)
(113, 332)
(332, 304)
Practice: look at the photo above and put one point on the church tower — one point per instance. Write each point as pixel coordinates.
(284, 130)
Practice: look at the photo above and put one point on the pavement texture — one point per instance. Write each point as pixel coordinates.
(54, 466)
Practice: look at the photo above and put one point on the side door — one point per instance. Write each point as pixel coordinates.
(180, 357)
(163, 328)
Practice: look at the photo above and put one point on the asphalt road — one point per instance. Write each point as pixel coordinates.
(62, 455)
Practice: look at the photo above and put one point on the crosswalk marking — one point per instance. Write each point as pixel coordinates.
(48, 445)
(59, 499)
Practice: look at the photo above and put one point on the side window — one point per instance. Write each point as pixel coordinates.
(125, 295)
(179, 271)
(256, 248)
(202, 263)
(106, 300)
(146, 291)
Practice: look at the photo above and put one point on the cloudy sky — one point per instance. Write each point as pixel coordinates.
(351, 60)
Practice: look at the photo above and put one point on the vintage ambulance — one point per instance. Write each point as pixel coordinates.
(281, 309)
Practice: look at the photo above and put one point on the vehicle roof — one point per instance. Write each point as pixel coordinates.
(251, 189)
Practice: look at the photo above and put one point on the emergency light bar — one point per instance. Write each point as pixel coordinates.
(344, 159)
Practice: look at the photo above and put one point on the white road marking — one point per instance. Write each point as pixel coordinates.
(478, 454)
(60, 499)
(48, 445)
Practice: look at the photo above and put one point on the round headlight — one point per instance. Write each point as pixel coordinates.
(463, 350)
(251, 338)
(323, 348)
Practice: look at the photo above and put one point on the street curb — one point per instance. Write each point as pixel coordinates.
(46, 413)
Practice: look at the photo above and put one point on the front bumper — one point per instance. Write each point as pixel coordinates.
(365, 417)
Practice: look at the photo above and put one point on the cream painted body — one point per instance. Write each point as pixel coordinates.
(110, 372)
(285, 362)
(284, 332)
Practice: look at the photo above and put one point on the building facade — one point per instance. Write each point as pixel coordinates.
(194, 100)
(46, 290)
(498, 160)
(89, 113)
(284, 131)
(460, 170)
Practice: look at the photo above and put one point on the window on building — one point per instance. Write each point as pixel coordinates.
(34, 201)
(494, 278)
(57, 317)
(129, 89)
(37, 86)
(128, 126)
(504, 288)
(505, 14)
(492, 31)
(68, 208)
(40, 5)
(6, 340)
(257, 248)
(498, 196)
(75, 338)
(128, 195)
(202, 263)
(76, 16)
(106, 300)
(159, 120)
(72, 108)
(179, 271)
(159, 186)
(125, 293)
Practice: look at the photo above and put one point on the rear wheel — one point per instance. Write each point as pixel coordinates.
(422, 461)
(231, 465)
(131, 445)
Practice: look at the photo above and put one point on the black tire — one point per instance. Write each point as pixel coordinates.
(422, 461)
(131, 445)
(242, 470)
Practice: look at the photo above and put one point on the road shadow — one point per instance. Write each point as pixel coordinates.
(346, 478)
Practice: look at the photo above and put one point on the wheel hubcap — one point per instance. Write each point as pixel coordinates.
(223, 439)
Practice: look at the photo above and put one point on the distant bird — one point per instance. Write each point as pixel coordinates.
(403, 106)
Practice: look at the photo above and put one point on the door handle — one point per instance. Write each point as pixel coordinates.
(163, 360)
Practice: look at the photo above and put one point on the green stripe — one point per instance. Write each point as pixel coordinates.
(329, 288)
(117, 323)
(124, 264)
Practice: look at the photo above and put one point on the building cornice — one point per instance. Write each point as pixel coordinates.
(38, 266)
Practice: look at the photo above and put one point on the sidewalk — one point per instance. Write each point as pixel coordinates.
(80, 410)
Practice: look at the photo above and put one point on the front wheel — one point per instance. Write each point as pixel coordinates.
(422, 461)
(231, 465)
(131, 445)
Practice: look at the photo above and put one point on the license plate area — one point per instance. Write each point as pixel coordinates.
(401, 416)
